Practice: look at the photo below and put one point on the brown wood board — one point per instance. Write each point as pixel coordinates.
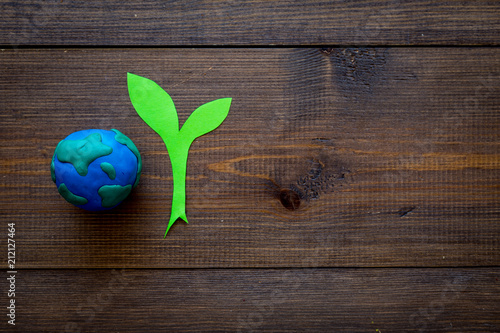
(393, 153)
(254, 22)
(262, 300)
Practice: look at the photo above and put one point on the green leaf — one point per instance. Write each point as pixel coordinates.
(205, 119)
(153, 105)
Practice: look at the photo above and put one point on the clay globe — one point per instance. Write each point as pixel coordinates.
(96, 169)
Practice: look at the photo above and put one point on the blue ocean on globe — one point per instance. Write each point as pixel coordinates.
(96, 169)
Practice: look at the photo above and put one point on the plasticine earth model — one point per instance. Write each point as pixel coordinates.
(96, 169)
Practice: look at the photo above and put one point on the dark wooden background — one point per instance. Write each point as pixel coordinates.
(380, 119)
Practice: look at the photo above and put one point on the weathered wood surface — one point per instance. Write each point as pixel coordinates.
(249, 300)
(340, 194)
(254, 22)
(393, 151)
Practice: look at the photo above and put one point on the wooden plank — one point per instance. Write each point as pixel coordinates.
(254, 22)
(393, 153)
(220, 300)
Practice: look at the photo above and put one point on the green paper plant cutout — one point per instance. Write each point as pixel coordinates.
(157, 109)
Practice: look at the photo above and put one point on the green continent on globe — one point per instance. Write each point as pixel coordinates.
(70, 197)
(112, 195)
(81, 153)
(109, 169)
(124, 140)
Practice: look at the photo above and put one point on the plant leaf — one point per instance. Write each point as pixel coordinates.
(205, 118)
(153, 105)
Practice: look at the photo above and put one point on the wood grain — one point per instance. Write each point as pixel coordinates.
(254, 22)
(260, 300)
(393, 153)
(354, 187)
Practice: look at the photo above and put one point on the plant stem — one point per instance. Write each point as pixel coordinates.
(178, 154)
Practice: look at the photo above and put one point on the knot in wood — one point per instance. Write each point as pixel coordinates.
(289, 199)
